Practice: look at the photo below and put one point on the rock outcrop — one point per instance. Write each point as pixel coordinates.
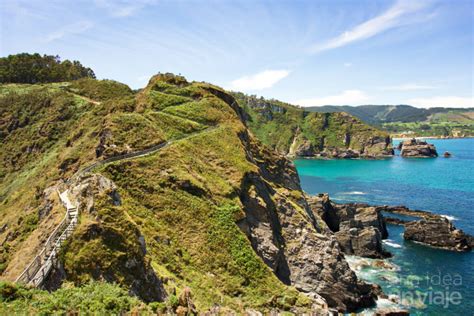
(438, 232)
(430, 229)
(359, 228)
(372, 147)
(417, 148)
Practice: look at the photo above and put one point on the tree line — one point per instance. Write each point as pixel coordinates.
(36, 68)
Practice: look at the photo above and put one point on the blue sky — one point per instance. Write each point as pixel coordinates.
(303, 52)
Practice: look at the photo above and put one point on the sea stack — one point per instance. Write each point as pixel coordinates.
(417, 148)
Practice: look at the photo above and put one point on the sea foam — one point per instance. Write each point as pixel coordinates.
(355, 193)
(391, 243)
(450, 217)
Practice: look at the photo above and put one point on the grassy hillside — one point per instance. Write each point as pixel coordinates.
(183, 200)
(291, 130)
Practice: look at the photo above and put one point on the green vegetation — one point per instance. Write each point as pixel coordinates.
(100, 90)
(92, 298)
(34, 68)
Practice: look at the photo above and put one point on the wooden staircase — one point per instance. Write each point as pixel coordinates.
(43, 263)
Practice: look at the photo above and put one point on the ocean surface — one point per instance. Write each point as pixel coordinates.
(430, 281)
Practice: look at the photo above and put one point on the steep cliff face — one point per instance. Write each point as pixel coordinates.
(298, 133)
(211, 210)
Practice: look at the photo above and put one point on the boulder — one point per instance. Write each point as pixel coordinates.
(417, 148)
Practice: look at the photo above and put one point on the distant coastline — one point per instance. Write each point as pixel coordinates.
(430, 137)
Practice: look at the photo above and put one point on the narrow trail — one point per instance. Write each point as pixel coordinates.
(39, 268)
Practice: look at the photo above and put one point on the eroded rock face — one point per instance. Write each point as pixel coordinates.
(417, 148)
(359, 228)
(438, 232)
(294, 241)
(374, 147)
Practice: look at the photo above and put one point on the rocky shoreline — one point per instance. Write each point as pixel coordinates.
(361, 228)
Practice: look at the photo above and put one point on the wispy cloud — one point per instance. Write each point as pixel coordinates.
(408, 87)
(20, 10)
(347, 64)
(123, 8)
(75, 28)
(397, 15)
(443, 101)
(347, 97)
(262, 80)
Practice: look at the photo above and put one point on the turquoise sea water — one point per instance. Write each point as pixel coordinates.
(433, 281)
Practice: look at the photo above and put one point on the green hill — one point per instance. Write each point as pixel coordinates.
(211, 209)
(409, 120)
(296, 132)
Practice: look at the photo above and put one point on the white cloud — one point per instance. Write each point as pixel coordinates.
(408, 87)
(262, 80)
(442, 101)
(123, 8)
(395, 16)
(347, 64)
(347, 97)
(70, 29)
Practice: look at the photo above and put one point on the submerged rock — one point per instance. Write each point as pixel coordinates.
(447, 154)
(417, 148)
(392, 312)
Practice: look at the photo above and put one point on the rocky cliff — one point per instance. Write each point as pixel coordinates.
(212, 212)
(298, 133)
